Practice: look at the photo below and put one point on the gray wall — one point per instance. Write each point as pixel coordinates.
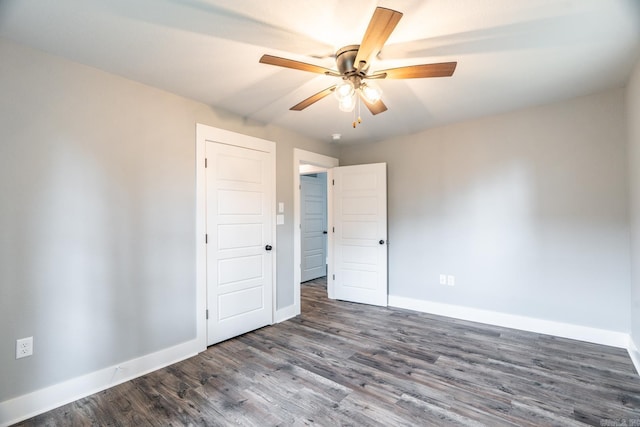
(528, 210)
(97, 216)
(633, 125)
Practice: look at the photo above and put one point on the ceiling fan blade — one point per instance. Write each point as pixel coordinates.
(380, 28)
(313, 99)
(444, 69)
(296, 65)
(375, 108)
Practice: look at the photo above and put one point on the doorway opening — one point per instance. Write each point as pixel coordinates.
(306, 163)
(313, 231)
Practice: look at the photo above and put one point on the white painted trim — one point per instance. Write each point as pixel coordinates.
(541, 326)
(311, 169)
(29, 405)
(634, 354)
(307, 157)
(201, 229)
(331, 293)
(286, 313)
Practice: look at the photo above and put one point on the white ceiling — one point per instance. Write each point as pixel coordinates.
(511, 54)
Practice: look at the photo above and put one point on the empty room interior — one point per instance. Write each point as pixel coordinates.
(218, 212)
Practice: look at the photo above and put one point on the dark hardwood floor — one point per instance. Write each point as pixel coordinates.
(350, 364)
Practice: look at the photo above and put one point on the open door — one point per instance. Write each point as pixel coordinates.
(360, 233)
(313, 226)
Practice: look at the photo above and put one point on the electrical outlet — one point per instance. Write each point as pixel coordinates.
(24, 347)
(451, 280)
(443, 279)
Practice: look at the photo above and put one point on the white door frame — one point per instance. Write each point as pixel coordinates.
(307, 157)
(206, 133)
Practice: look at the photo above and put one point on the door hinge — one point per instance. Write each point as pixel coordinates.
(205, 162)
(207, 314)
(333, 182)
(206, 239)
(334, 277)
(333, 229)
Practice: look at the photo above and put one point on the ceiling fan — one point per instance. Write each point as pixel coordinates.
(353, 63)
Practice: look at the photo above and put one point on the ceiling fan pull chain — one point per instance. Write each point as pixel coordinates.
(359, 120)
(354, 118)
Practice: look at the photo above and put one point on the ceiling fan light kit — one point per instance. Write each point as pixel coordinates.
(353, 63)
(344, 89)
(371, 92)
(347, 103)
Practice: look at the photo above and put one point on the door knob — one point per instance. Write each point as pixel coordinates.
(381, 242)
(268, 247)
(324, 232)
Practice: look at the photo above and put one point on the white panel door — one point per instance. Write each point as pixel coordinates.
(360, 236)
(313, 226)
(240, 199)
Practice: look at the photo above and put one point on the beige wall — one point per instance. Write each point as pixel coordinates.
(528, 210)
(97, 216)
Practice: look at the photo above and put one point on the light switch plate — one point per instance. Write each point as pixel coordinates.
(279, 219)
(280, 207)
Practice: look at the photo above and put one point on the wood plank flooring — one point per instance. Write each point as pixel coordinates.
(344, 364)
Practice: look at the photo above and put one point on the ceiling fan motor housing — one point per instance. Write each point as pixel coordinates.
(345, 58)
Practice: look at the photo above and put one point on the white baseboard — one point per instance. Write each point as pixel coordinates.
(29, 405)
(634, 353)
(530, 324)
(286, 314)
